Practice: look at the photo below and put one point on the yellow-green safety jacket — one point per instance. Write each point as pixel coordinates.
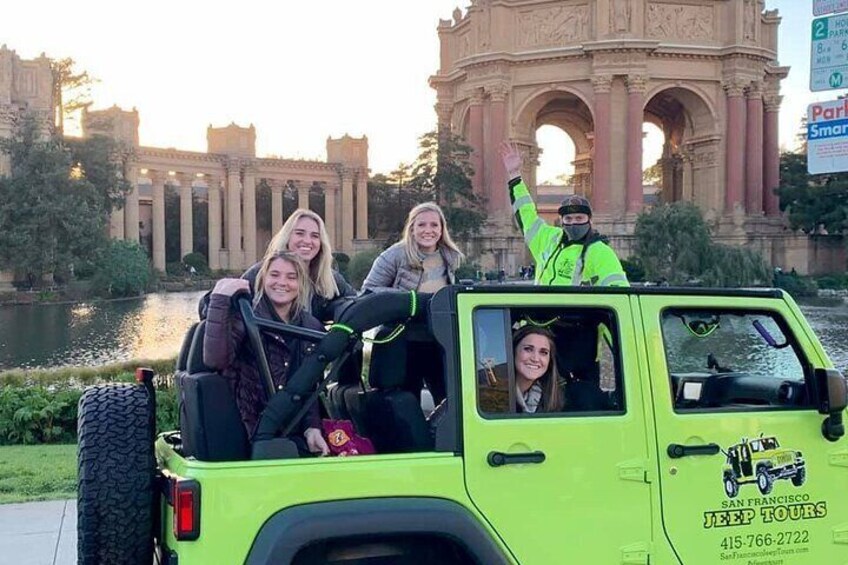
(589, 262)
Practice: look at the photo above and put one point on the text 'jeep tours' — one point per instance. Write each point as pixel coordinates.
(655, 381)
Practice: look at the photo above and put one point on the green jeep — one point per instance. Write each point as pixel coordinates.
(655, 381)
(762, 461)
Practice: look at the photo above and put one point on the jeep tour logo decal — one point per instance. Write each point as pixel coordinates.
(761, 461)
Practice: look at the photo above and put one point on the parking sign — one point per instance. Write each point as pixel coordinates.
(822, 7)
(827, 137)
(829, 53)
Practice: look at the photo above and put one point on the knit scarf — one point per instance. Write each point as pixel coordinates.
(529, 401)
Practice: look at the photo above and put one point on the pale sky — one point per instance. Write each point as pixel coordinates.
(300, 71)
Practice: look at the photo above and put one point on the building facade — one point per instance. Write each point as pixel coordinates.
(227, 179)
(705, 72)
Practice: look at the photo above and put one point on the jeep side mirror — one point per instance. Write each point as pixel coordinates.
(832, 399)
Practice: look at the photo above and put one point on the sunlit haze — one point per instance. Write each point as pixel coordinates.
(300, 71)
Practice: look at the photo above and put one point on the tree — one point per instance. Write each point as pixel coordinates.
(51, 215)
(71, 90)
(102, 161)
(123, 269)
(673, 243)
(443, 172)
(653, 174)
(390, 198)
(813, 202)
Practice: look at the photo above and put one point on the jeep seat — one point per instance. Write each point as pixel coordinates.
(210, 423)
(392, 415)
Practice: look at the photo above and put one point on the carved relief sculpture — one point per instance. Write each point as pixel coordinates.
(620, 16)
(552, 27)
(750, 19)
(675, 21)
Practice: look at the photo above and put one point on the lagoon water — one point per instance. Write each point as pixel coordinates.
(152, 327)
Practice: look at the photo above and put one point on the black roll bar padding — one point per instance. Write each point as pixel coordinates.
(254, 337)
(365, 313)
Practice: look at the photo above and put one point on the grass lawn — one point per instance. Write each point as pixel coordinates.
(37, 472)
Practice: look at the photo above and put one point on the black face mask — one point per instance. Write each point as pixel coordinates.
(576, 232)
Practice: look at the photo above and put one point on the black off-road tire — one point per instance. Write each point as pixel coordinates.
(765, 482)
(115, 497)
(800, 477)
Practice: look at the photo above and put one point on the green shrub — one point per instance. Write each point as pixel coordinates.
(342, 262)
(833, 281)
(48, 414)
(360, 265)
(122, 270)
(797, 285)
(198, 261)
(633, 269)
(175, 269)
(467, 270)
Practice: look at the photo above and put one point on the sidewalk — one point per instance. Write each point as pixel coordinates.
(39, 533)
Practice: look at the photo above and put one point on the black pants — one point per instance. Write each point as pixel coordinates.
(415, 354)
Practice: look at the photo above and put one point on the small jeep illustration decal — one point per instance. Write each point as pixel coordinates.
(762, 461)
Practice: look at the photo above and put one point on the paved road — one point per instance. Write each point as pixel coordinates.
(39, 533)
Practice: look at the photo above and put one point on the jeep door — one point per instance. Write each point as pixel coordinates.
(745, 473)
(567, 486)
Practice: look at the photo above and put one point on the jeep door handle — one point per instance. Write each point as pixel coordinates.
(676, 451)
(499, 459)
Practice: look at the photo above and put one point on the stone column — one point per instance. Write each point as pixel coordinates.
(214, 203)
(475, 141)
(347, 210)
(330, 213)
(276, 207)
(302, 194)
(131, 206)
(497, 190)
(635, 116)
(159, 221)
(249, 216)
(234, 215)
(362, 204)
(186, 217)
(754, 151)
(771, 154)
(116, 224)
(601, 166)
(734, 140)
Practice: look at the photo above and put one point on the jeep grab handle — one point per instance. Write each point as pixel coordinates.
(499, 459)
(676, 451)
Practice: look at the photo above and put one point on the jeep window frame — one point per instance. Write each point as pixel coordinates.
(506, 311)
(792, 342)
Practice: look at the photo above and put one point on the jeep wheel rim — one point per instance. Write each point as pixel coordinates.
(762, 481)
(729, 487)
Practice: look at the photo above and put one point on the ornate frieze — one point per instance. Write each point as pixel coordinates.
(553, 27)
(679, 21)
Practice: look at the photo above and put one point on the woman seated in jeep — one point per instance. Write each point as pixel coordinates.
(537, 380)
(281, 293)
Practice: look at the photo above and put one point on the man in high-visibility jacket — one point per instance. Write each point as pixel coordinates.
(573, 254)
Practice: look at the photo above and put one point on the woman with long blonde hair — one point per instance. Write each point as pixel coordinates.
(282, 292)
(424, 260)
(305, 235)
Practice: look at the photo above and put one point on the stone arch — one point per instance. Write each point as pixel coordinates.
(690, 163)
(568, 110)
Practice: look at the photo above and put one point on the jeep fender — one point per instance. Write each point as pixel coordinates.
(289, 530)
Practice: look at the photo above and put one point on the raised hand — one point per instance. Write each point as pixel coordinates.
(511, 158)
(228, 287)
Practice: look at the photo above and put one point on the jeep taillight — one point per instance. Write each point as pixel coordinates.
(186, 498)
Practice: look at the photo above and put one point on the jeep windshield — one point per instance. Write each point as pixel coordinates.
(732, 358)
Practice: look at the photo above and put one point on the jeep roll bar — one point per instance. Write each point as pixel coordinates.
(369, 311)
